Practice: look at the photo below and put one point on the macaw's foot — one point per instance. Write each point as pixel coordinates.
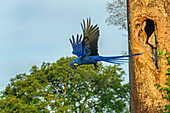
(96, 66)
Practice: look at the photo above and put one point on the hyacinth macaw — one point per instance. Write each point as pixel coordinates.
(87, 48)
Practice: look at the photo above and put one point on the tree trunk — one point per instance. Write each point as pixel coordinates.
(148, 31)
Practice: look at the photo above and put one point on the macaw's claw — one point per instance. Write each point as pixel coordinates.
(96, 66)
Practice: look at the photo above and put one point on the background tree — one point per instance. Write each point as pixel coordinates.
(59, 88)
(117, 10)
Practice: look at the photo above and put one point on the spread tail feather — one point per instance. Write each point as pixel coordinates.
(119, 59)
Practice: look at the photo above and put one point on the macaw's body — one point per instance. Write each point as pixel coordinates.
(87, 49)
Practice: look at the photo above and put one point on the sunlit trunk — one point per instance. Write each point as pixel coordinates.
(148, 31)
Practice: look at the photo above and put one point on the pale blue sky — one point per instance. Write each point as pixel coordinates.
(33, 31)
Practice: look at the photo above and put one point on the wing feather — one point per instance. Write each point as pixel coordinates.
(73, 39)
(71, 42)
(90, 36)
(80, 39)
(77, 39)
(89, 44)
(79, 47)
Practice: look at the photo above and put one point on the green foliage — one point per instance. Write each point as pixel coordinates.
(160, 55)
(59, 88)
(165, 90)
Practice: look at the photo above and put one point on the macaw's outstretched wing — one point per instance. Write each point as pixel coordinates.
(90, 37)
(78, 46)
(89, 44)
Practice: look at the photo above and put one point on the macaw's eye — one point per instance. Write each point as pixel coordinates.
(73, 61)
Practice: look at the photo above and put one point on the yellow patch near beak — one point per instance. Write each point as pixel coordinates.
(75, 64)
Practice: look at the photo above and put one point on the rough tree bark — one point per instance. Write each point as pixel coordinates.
(149, 30)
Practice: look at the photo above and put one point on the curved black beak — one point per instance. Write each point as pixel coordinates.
(74, 66)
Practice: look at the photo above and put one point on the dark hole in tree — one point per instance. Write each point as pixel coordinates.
(150, 27)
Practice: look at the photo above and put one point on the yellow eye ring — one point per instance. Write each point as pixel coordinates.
(73, 61)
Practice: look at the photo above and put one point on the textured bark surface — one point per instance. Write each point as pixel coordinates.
(149, 30)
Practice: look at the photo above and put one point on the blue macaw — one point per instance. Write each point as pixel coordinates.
(87, 48)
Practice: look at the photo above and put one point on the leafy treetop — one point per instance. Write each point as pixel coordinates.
(57, 87)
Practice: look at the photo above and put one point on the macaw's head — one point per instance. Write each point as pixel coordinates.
(74, 64)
